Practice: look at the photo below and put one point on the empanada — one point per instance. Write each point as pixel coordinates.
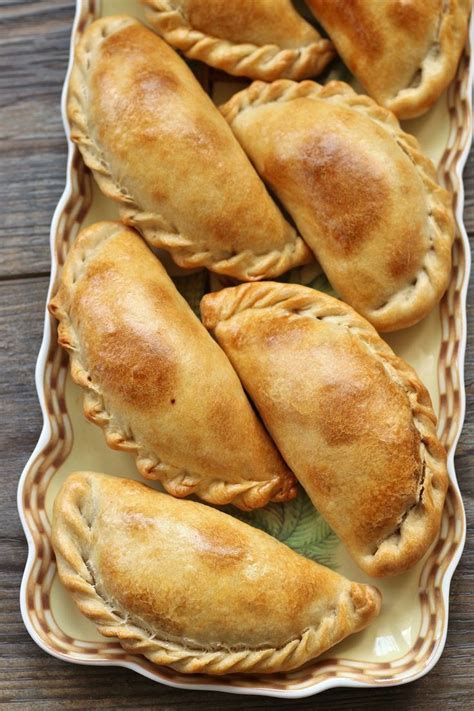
(193, 588)
(157, 144)
(261, 39)
(361, 193)
(352, 420)
(404, 52)
(156, 381)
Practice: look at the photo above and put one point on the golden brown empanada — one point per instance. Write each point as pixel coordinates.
(351, 419)
(261, 39)
(404, 52)
(361, 193)
(193, 588)
(157, 144)
(156, 381)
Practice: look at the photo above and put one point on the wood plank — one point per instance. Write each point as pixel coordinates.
(34, 41)
(34, 50)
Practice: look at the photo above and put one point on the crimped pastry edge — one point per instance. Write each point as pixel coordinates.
(411, 102)
(409, 305)
(395, 553)
(266, 62)
(72, 538)
(155, 228)
(118, 435)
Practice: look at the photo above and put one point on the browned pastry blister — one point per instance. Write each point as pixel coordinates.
(260, 39)
(404, 52)
(155, 381)
(193, 588)
(359, 189)
(159, 147)
(351, 419)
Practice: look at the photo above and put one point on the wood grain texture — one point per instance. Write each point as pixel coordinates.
(34, 50)
(34, 38)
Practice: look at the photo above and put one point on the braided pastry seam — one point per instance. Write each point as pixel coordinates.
(267, 62)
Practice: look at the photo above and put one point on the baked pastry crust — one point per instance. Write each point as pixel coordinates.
(155, 381)
(193, 588)
(404, 52)
(260, 39)
(361, 192)
(351, 419)
(158, 146)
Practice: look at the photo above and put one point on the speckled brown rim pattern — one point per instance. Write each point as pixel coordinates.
(57, 437)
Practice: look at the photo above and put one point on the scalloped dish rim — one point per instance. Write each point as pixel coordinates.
(252, 686)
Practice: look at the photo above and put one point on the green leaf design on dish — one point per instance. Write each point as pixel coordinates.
(321, 283)
(308, 275)
(299, 525)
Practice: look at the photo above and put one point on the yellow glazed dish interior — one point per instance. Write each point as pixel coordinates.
(407, 636)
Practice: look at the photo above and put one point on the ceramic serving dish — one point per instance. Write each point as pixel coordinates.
(407, 639)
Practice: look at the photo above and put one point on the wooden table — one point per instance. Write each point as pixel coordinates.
(34, 46)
